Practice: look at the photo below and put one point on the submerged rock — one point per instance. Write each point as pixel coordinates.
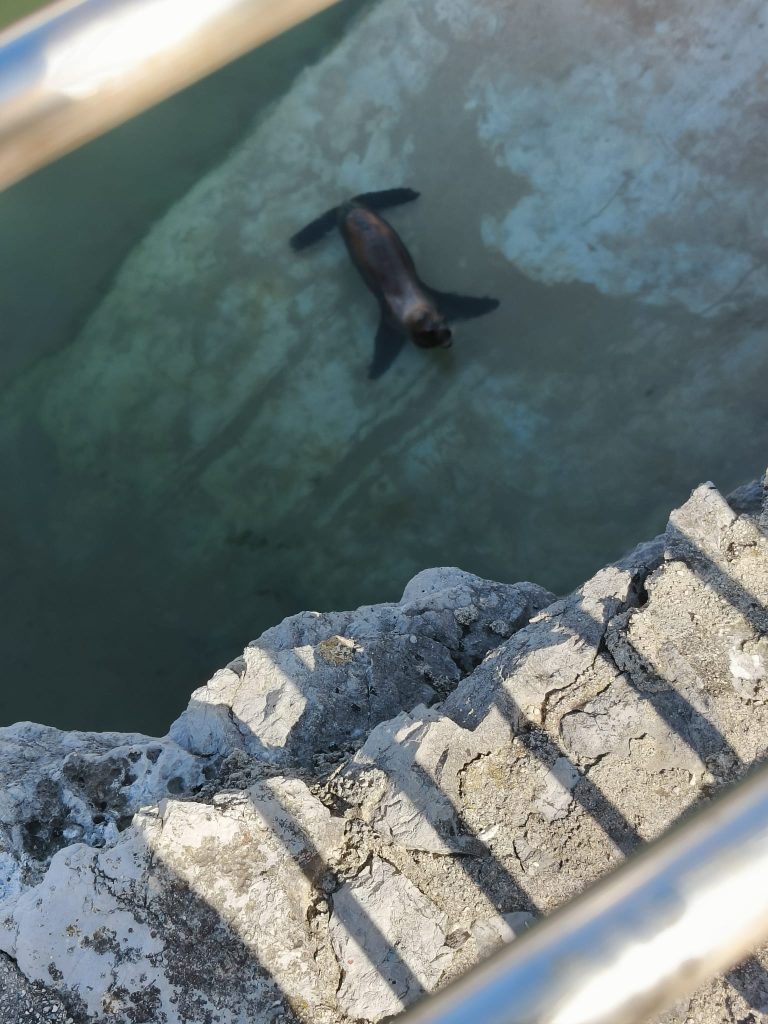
(145, 882)
(597, 167)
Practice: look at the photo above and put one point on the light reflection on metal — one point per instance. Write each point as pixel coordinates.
(80, 67)
(685, 909)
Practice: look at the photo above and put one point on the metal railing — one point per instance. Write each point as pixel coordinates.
(80, 67)
(690, 905)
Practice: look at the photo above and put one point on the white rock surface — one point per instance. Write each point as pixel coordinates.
(389, 940)
(322, 681)
(251, 896)
(555, 797)
(496, 931)
(408, 772)
(197, 910)
(60, 788)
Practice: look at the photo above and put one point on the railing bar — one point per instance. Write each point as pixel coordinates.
(688, 907)
(80, 67)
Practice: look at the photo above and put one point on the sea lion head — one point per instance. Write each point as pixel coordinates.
(430, 330)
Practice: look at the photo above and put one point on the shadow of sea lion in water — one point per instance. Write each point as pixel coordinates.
(409, 308)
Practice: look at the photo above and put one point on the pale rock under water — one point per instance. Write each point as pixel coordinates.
(598, 168)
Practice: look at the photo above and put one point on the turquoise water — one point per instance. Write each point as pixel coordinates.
(116, 657)
(190, 446)
(67, 228)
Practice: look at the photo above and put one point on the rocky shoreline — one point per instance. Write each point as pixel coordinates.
(366, 803)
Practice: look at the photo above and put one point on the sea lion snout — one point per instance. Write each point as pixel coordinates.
(434, 338)
(431, 330)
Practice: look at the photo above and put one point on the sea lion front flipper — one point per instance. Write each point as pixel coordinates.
(462, 307)
(389, 341)
(314, 231)
(384, 200)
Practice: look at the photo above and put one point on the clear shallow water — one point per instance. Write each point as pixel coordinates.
(191, 447)
(67, 228)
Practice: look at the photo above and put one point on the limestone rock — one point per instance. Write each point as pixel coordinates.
(749, 498)
(195, 911)
(725, 550)
(389, 940)
(21, 1000)
(696, 653)
(560, 744)
(407, 780)
(59, 788)
(749, 670)
(491, 933)
(325, 680)
(559, 645)
(555, 799)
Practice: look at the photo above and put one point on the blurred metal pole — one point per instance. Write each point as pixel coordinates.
(688, 907)
(80, 67)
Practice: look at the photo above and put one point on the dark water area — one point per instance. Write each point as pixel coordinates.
(67, 228)
(189, 445)
(65, 231)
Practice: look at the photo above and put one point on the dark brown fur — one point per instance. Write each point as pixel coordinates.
(387, 268)
(409, 309)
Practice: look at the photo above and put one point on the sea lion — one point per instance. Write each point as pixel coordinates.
(409, 308)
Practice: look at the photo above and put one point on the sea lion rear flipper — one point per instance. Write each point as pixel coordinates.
(389, 341)
(389, 197)
(315, 231)
(462, 307)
